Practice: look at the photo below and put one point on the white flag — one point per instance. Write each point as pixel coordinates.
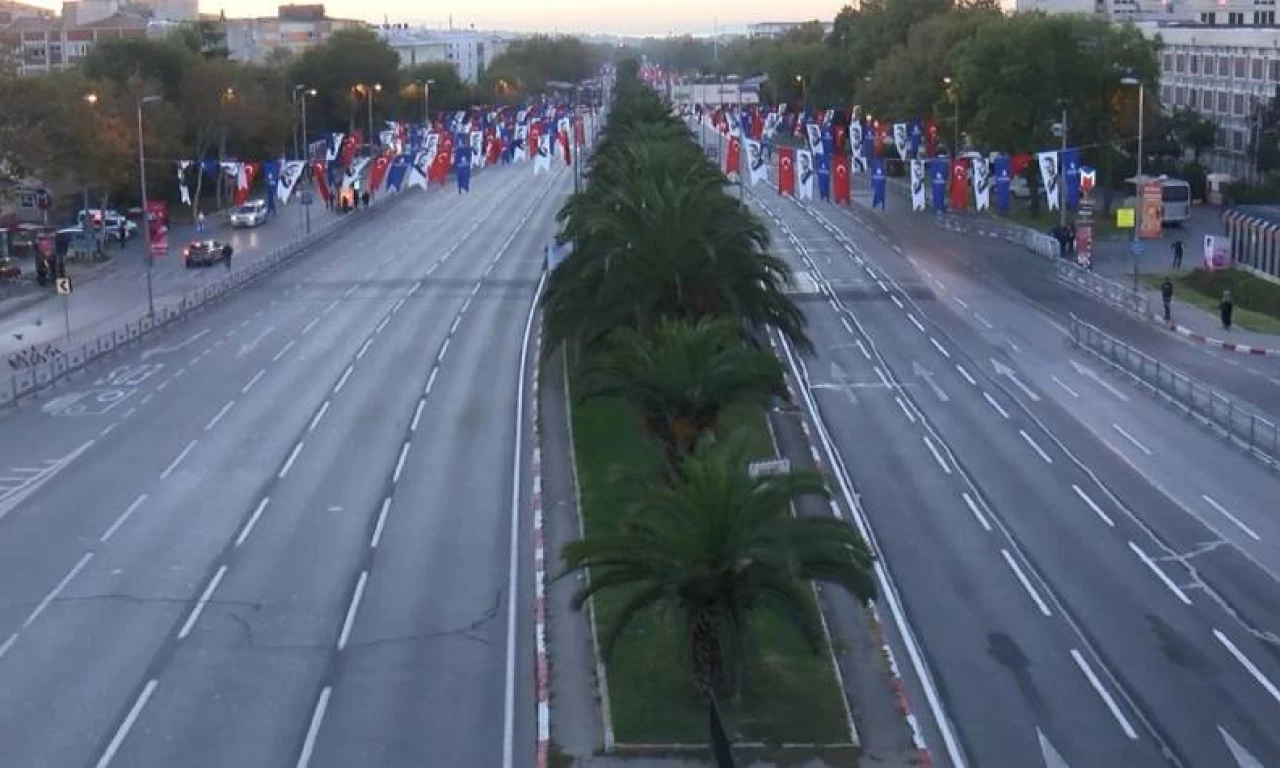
(521, 152)
(917, 185)
(352, 178)
(1050, 176)
(981, 183)
(542, 161)
(804, 174)
(290, 172)
(183, 165)
(421, 164)
(477, 149)
(900, 139)
(757, 171)
(859, 164)
(815, 138)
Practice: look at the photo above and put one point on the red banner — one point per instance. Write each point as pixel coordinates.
(838, 131)
(786, 171)
(841, 192)
(318, 174)
(733, 158)
(157, 213)
(579, 132)
(931, 138)
(495, 151)
(244, 182)
(959, 184)
(377, 173)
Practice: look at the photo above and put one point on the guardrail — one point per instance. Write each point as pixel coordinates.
(1254, 432)
(37, 376)
(1037, 242)
(1110, 291)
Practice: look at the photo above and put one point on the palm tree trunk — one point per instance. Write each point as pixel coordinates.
(720, 747)
(708, 656)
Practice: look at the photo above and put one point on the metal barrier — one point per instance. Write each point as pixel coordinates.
(1037, 242)
(1251, 430)
(1110, 291)
(168, 310)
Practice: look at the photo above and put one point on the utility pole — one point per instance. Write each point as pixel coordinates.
(146, 217)
(1137, 224)
(1062, 176)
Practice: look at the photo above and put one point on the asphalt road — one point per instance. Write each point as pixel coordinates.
(1071, 611)
(282, 533)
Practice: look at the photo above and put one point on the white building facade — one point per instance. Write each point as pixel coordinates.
(469, 51)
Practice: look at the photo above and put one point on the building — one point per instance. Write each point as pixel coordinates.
(1255, 239)
(469, 51)
(1226, 73)
(293, 29)
(46, 45)
(11, 11)
(781, 28)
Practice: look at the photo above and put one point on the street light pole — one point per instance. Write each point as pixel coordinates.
(296, 89)
(426, 102)
(1062, 187)
(146, 219)
(1137, 223)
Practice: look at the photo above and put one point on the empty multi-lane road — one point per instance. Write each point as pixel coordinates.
(281, 533)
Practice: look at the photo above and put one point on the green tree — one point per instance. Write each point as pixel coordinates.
(680, 377)
(447, 91)
(714, 548)
(1264, 145)
(526, 66)
(861, 37)
(159, 63)
(349, 58)
(1187, 129)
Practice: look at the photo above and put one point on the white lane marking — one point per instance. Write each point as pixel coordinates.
(417, 414)
(1026, 583)
(992, 401)
(937, 456)
(342, 381)
(1096, 509)
(350, 291)
(941, 285)
(977, 513)
(202, 602)
(315, 420)
(57, 590)
(880, 374)
(1013, 346)
(466, 304)
(983, 320)
(8, 644)
(1223, 511)
(404, 453)
(475, 289)
(965, 374)
(905, 412)
(129, 720)
(845, 322)
(396, 307)
(147, 398)
(128, 413)
(382, 521)
(142, 497)
(454, 326)
(364, 348)
(443, 348)
(174, 464)
(351, 610)
(293, 455)
(1248, 665)
(252, 521)
(178, 373)
(218, 416)
(858, 343)
(414, 289)
(1092, 677)
(383, 324)
(1060, 383)
(897, 250)
(1243, 758)
(107, 430)
(332, 306)
(1164, 578)
(1131, 438)
(915, 322)
(896, 301)
(313, 730)
(961, 302)
(940, 348)
(1088, 372)
(431, 381)
(245, 389)
(162, 385)
(1036, 446)
(309, 326)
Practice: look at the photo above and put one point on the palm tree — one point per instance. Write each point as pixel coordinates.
(680, 377)
(712, 548)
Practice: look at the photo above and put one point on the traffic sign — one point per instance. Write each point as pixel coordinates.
(64, 286)
(305, 197)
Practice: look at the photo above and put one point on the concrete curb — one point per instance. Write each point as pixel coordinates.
(1230, 346)
(541, 662)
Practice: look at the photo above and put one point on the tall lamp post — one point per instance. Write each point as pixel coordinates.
(305, 93)
(146, 218)
(426, 101)
(368, 91)
(1137, 223)
(1062, 186)
(296, 90)
(955, 116)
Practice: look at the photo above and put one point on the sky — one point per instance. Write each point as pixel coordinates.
(626, 17)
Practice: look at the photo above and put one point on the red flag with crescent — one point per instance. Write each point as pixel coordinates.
(841, 193)
(959, 184)
(786, 171)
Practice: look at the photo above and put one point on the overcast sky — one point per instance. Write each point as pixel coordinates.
(656, 17)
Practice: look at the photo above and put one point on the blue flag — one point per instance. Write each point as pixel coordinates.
(828, 143)
(868, 142)
(462, 167)
(1000, 167)
(914, 136)
(1069, 162)
(938, 174)
(396, 173)
(877, 182)
(271, 170)
(824, 176)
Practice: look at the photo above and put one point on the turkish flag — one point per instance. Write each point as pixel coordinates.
(244, 182)
(349, 145)
(882, 135)
(931, 138)
(839, 134)
(841, 191)
(495, 151)
(1018, 164)
(378, 173)
(733, 160)
(579, 132)
(959, 184)
(757, 125)
(786, 171)
(318, 172)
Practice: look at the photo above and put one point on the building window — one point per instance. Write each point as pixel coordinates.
(1264, 18)
(1180, 63)
(1179, 96)
(1237, 141)
(1193, 97)
(1224, 66)
(1220, 137)
(1256, 68)
(1166, 93)
(1168, 62)
(1209, 19)
(1241, 67)
(1275, 70)
(1223, 102)
(1235, 18)
(1193, 64)
(1237, 105)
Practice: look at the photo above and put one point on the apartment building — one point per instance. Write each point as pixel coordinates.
(1224, 72)
(469, 51)
(48, 45)
(293, 29)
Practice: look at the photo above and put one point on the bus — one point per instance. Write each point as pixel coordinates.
(1175, 196)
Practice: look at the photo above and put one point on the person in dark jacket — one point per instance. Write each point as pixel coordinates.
(1225, 307)
(1178, 249)
(1166, 297)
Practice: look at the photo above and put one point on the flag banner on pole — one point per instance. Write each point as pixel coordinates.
(733, 159)
(419, 171)
(917, 185)
(841, 186)
(823, 162)
(915, 138)
(378, 173)
(881, 138)
(318, 173)
(395, 175)
(1049, 176)
(900, 139)
(804, 174)
(959, 184)
(462, 168)
(858, 147)
(1069, 161)
(183, 190)
(815, 138)
(786, 171)
(542, 161)
(1000, 168)
(476, 155)
(877, 183)
(938, 173)
(756, 169)
(930, 138)
(290, 172)
(981, 183)
(271, 173)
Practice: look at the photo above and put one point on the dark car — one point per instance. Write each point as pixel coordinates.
(205, 253)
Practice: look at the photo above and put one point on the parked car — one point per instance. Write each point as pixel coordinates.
(114, 224)
(204, 253)
(9, 270)
(250, 214)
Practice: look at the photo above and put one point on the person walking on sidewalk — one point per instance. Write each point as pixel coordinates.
(1177, 254)
(1166, 297)
(200, 223)
(1225, 307)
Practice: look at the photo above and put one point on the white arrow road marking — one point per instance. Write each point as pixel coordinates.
(1241, 754)
(150, 353)
(1089, 373)
(1008, 373)
(1052, 758)
(923, 373)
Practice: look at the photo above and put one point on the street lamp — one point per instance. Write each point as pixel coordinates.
(146, 219)
(804, 92)
(368, 91)
(426, 100)
(955, 118)
(1130, 80)
(302, 101)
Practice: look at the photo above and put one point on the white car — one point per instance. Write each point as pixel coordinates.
(116, 226)
(250, 214)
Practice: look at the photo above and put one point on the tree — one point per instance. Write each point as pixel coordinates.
(681, 376)
(712, 549)
(447, 92)
(526, 66)
(1187, 129)
(862, 36)
(351, 57)
(159, 63)
(1264, 145)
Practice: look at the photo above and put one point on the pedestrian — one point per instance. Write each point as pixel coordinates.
(1166, 296)
(364, 198)
(1225, 307)
(1177, 254)
(200, 223)
(226, 256)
